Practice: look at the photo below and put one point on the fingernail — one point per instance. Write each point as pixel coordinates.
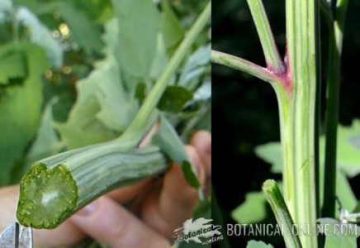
(87, 210)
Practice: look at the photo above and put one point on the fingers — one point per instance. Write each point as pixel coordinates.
(167, 210)
(202, 143)
(127, 194)
(66, 235)
(8, 201)
(110, 224)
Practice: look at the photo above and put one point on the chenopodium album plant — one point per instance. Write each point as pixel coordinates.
(309, 188)
(57, 186)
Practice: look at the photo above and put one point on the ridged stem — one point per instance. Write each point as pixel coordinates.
(281, 212)
(58, 186)
(301, 40)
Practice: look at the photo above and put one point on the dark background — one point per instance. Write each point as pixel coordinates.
(245, 109)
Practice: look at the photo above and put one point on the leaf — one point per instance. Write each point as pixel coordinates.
(257, 244)
(190, 175)
(139, 24)
(102, 110)
(170, 143)
(271, 153)
(12, 66)
(203, 93)
(195, 67)
(160, 60)
(84, 31)
(171, 27)
(20, 109)
(174, 99)
(47, 142)
(336, 241)
(40, 35)
(344, 192)
(348, 153)
(6, 7)
(252, 210)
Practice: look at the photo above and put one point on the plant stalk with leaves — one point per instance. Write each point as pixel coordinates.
(46, 201)
(295, 82)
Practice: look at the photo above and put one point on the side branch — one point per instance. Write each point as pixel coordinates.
(271, 53)
(244, 66)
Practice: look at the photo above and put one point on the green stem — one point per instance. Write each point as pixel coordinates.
(272, 57)
(58, 186)
(243, 65)
(135, 131)
(332, 112)
(318, 107)
(281, 212)
(301, 40)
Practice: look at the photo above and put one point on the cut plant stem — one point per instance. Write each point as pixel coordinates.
(272, 57)
(134, 131)
(336, 28)
(58, 186)
(282, 215)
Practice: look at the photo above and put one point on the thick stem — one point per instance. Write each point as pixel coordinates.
(301, 39)
(281, 212)
(272, 57)
(332, 112)
(134, 132)
(58, 186)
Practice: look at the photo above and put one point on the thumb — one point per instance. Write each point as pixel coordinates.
(111, 224)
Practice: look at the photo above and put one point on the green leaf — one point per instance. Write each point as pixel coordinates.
(41, 35)
(20, 110)
(47, 142)
(190, 175)
(348, 152)
(253, 209)
(336, 241)
(12, 66)
(195, 67)
(139, 24)
(271, 153)
(161, 59)
(171, 27)
(5, 9)
(257, 244)
(174, 99)
(170, 143)
(344, 192)
(84, 31)
(103, 108)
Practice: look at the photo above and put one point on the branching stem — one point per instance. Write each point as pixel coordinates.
(271, 53)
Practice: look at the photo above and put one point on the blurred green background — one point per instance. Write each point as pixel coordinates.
(245, 109)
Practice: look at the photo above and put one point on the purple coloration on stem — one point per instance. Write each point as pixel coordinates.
(285, 76)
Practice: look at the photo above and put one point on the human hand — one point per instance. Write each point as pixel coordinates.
(156, 207)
